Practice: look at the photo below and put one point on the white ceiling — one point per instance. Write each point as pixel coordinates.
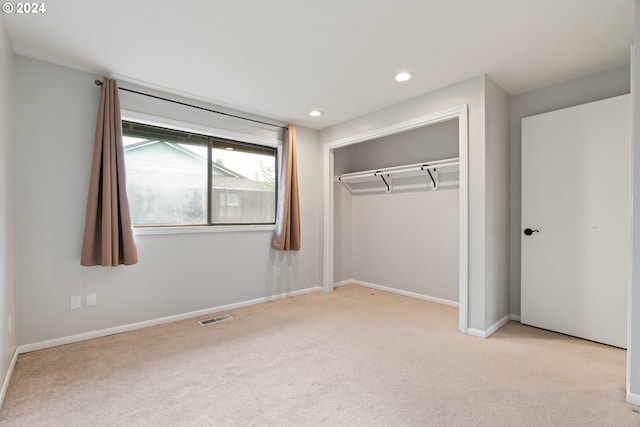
(282, 58)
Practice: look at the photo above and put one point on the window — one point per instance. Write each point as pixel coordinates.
(177, 178)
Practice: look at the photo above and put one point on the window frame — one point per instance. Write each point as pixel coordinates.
(232, 136)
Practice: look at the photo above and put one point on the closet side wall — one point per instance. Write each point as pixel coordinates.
(497, 104)
(342, 221)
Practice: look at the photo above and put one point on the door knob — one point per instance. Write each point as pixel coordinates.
(529, 232)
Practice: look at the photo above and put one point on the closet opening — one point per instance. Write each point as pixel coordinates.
(396, 210)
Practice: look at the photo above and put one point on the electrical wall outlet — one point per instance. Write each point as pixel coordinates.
(92, 300)
(75, 302)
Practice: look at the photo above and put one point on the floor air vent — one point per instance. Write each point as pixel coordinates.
(216, 319)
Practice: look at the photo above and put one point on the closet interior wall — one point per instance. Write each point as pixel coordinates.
(405, 240)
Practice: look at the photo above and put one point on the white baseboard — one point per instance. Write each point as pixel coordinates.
(26, 348)
(7, 377)
(399, 292)
(633, 398)
(499, 324)
(515, 317)
(476, 333)
(344, 282)
(491, 330)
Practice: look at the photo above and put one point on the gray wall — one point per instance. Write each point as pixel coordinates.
(497, 194)
(633, 350)
(55, 123)
(404, 240)
(472, 93)
(575, 92)
(342, 223)
(7, 203)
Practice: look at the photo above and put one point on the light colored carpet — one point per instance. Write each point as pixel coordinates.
(356, 357)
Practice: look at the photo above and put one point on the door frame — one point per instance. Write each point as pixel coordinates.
(460, 113)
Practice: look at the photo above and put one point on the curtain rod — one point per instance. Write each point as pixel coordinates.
(99, 83)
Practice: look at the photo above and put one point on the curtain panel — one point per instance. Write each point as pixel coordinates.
(286, 236)
(108, 232)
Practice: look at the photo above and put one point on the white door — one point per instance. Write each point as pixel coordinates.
(576, 203)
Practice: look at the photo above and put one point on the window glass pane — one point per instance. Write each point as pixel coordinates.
(167, 183)
(166, 175)
(243, 184)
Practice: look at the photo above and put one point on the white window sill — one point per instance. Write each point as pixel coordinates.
(142, 231)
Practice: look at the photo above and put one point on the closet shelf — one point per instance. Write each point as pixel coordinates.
(424, 174)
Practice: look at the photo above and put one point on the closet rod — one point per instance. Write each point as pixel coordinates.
(99, 83)
(391, 171)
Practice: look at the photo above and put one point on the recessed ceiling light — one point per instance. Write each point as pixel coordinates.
(315, 113)
(403, 77)
(228, 148)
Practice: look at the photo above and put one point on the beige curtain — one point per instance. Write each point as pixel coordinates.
(287, 233)
(108, 232)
